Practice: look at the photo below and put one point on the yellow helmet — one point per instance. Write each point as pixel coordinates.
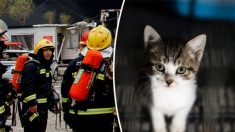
(99, 38)
(42, 44)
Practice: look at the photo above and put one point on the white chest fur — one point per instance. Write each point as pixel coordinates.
(169, 100)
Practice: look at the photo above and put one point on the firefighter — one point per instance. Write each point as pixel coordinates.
(83, 42)
(7, 97)
(7, 93)
(36, 85)
(96, 112)
(3, 37)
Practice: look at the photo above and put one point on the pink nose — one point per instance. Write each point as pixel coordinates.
(169, 81)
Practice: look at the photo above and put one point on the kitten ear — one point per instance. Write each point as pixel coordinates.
(195, 47)
(150, 35)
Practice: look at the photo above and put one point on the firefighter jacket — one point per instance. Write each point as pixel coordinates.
(36, 82)
(100, 99)
(7, 96)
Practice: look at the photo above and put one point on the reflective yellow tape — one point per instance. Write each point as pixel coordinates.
(72, 112)
(100, 76)
(29, 98)
(47, 74)
(65, 100)
(7, 103)
(74, 74)
(43, 100)
(96, 111)
(31, 118)
(42, 71)
(2, 109)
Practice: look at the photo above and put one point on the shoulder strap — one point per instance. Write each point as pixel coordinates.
(32, 60)
(103, 67)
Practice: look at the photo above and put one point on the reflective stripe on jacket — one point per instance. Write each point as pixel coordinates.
(94, 111)
(2, 109)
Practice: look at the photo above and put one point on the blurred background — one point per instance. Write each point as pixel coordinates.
(63, 22)
(31, 12)
(214, 110)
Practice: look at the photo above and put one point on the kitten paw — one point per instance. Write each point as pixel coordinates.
(177, 129)
(160, 130)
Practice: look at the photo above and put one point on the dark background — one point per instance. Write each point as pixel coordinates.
(215, 107)
(77, 9)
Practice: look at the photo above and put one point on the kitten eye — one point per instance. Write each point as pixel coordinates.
(160, 67)
(181, 70)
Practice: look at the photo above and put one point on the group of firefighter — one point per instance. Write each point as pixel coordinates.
(87, 95)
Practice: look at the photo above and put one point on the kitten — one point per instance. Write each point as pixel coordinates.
(171, 68)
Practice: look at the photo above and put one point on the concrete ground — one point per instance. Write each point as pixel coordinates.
(51, 122)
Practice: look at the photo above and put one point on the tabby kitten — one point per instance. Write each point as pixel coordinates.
(171, 68)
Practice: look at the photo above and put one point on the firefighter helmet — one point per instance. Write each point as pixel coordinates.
(42, 44)
(84, 38)
(3, 25)
(99, 38)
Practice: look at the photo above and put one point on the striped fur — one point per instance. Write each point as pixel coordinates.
(170, 70)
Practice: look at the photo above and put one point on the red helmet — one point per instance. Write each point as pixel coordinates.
(84, 38)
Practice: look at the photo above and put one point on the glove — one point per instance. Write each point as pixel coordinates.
(5, 115)
(68, 119)
(3, 69)
(7, 112)
(65, 107)
(55, 108)
(54, 102)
